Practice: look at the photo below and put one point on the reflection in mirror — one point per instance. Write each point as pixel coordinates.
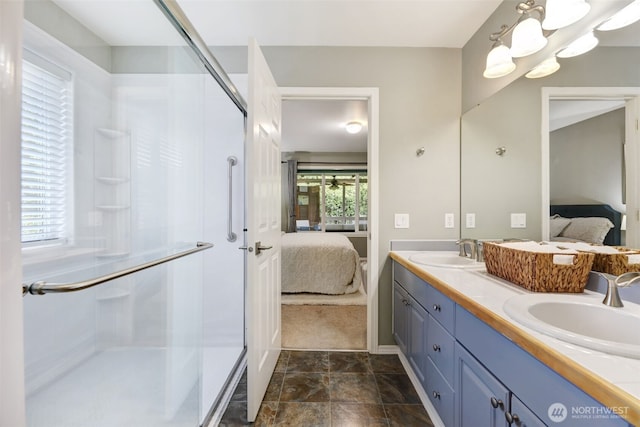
(590, 136)
(494, 187)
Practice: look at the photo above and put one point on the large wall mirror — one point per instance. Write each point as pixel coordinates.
(561, 140)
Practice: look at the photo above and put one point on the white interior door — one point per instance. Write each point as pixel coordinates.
(263, 228)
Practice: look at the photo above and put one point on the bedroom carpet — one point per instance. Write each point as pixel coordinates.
(355, 298)
(324, 327)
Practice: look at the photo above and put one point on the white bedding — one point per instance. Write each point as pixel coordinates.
(316, 262)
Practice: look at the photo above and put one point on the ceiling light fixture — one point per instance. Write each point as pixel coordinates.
(545, 68)
(353, 127)
(529, 33)
(626, 16)
(579, 46)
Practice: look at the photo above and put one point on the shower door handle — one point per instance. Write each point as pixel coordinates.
(231, 236)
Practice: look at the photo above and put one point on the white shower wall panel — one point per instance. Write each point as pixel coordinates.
(60, 330)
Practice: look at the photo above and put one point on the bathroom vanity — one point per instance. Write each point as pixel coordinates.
(478, 367)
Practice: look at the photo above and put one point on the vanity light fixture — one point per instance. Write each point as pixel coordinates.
(545, 68)
(626, 16)
(579, 46)
(353, 127)
(527, 37)
(529, 33)
(499, 61)
(562, 13)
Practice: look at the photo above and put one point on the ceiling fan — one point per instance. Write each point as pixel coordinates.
(335, 184)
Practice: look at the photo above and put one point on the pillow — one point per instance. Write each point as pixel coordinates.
(591, 229)
(557, 224)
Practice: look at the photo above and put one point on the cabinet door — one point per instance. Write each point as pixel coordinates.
(481, 400)
(521, 416)
(417, 339)
(400, 324)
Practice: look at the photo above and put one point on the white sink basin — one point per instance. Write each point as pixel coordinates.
(580, 319)
(450, 259)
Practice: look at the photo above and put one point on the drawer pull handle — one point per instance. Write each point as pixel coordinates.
(436, 307)
(436, 395)
(436, 347)
(497, 403)
(512, 418)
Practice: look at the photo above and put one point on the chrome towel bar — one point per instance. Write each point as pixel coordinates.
(42, 287)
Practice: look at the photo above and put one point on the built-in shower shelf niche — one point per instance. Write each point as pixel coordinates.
(113, 254)
(113, 294)
(112, 208)
(113, 134)
(112, 180)
(112, 188)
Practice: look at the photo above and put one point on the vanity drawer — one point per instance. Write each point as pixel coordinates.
(440, 394)
(441, 308)
(415, 286)
(440, 348)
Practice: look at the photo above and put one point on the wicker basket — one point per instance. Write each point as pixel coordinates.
(615, 264)
(536, 271)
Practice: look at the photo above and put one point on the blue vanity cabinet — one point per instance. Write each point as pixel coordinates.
(428, 342)
(400, 326)
(483, 400)
(535, 388)
(409, 325)
(472, 374)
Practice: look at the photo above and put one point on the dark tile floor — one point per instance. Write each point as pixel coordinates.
(319, 388)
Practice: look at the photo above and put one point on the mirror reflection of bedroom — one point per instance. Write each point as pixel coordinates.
(588, 200)
(324, 224)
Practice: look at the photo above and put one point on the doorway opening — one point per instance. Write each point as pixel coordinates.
(329, 195)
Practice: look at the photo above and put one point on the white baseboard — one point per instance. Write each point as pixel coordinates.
(433, 414)
(387, 349)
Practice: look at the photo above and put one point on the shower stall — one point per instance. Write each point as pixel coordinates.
(132, 215)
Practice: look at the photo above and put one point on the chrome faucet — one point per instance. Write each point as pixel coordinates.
(612, 298)
(473, 248)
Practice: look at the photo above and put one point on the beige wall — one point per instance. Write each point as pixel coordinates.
(419, 106)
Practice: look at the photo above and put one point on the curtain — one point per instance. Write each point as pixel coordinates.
(292, 181)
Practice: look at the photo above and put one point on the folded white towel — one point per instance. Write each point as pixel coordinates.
(563, 259)
(537, 247)
(633, 259)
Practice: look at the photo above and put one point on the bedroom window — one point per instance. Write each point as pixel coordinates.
(46, 141)
(332, 201)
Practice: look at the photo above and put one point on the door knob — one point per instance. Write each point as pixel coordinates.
(260, 248)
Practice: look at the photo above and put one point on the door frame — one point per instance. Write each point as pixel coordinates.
(371, 95)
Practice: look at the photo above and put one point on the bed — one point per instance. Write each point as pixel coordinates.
(323, 263)
(599, 224)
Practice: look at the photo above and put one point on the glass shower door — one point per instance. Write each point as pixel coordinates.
(148, 132)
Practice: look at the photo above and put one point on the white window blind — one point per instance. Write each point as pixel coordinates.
(46, 135)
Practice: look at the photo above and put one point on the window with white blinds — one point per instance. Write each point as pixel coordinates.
(46, 138)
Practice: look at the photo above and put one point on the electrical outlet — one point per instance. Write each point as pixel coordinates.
(470, 220)
(449, 220)
(518, 220)
(401, 220)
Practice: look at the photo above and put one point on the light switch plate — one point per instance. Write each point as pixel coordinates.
(518, 220)
(401, 220)
(470, 220)
(449, 220)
